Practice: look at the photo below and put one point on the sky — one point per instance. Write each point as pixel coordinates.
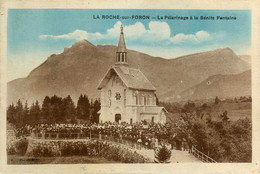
(35, 34)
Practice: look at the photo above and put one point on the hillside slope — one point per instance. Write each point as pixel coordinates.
(222, 86)
(80, 68)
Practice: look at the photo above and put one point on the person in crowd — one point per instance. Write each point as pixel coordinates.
(149, 135)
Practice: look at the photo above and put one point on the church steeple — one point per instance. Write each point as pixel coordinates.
(121, 54)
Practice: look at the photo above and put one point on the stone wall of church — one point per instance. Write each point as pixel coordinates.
(116, 98)
(162, 117)
(143, 98)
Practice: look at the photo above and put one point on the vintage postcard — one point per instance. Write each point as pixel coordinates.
(96, 87)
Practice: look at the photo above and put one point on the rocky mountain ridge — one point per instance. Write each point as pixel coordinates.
(81, 67)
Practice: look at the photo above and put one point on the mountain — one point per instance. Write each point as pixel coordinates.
(223, 86)
(246, 58)
(81, 67)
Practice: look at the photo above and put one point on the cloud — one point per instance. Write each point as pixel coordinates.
(157, 31)
(200, 36)
(135, 31)
(77, 35)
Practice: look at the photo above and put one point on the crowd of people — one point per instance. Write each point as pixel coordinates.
(147, 135)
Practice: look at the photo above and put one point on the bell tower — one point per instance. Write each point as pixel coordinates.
(121, 53)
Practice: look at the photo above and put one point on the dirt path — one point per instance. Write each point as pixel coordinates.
(183, 157)
(177, 156)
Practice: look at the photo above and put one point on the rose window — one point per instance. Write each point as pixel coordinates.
(118, 96)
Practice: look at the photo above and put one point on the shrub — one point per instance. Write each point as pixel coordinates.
(47, 152)
(162, 154)
(11, 149)
(90, 148)
(37, 151)
(21, 146)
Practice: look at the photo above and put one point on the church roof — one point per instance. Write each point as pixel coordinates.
(121, 43)
(131, 77)
(153, 110)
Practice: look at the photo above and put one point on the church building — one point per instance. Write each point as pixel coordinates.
(126, 94)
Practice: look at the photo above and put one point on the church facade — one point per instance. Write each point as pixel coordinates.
(126, 94)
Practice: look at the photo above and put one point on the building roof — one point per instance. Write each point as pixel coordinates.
(153, 110)
(121, 43)
(133, 78)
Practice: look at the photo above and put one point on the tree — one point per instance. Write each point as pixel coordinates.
(19, 113)
(189, 107)
(56, 109)
(221, 139)
(68, 108)
(25, 115)
(224, 117)
(46, 110)
(11, 112)
(35, 113)
(79, 109)
(83, 108)
(162, 154)
(217, 100)
(95, 115)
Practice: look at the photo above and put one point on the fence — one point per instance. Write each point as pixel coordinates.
(64, 136)
(60, 136)
(205, 158)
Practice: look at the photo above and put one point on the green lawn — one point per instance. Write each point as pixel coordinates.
(13, 159)
(235, 111)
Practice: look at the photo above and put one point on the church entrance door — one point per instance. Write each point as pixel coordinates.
(117, 117)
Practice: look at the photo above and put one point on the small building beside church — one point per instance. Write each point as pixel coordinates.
(126, 94)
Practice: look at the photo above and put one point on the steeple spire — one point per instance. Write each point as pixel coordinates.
(121, 54)
(121, 29)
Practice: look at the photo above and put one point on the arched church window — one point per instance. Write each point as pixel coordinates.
(117, 81)
(135, 97)
(144, 100)
(109, 93)
(125, 96)
(135, 100)
(109, 103)
(123, 57)
(150, 102)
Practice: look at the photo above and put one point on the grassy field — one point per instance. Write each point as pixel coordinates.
(236, 114)
(232, 106)
(13, 159)
(235, 111)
